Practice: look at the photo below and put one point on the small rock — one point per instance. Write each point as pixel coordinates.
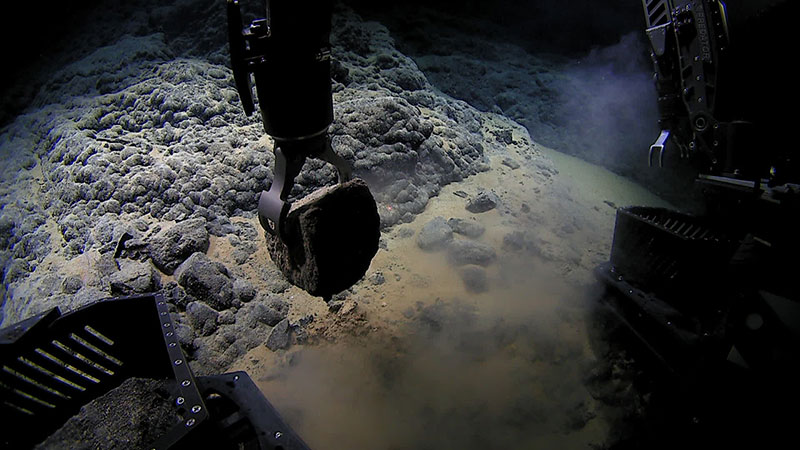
(404, 233)
(335, 305)
(71, 284)
(202, 318)
(172, 246)
(206, 280)
(279, 336)
(484, 201)
(509, 162)
(434, 235)
(348, 306)
(305, 320)
(134, 278)
(268, 314)
(377, 278)
(243, 290)
(462, 252)
(185, 335)
(505, 136)
(226, 317)
(465, 227)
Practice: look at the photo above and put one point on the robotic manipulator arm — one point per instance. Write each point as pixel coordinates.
(287, 54)
(688, 38)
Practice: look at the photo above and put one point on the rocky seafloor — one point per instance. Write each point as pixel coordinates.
(136, 170)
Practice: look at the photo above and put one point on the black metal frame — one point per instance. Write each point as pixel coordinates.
(53, 364)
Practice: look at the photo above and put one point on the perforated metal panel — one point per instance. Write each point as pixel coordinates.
(52, 364)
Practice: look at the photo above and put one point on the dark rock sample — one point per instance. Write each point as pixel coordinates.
(330, 239)
(466, 227)
(133, 415)
(482, 202)
(207, 281)
(172, 246)
(463, 252)
(435, 234)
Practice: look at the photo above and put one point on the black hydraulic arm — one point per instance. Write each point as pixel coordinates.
(688, 41)
(287, 54)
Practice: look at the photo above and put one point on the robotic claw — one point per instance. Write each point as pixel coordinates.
(326, 245)
(290, 62)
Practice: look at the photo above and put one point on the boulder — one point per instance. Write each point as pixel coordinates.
(329, 239)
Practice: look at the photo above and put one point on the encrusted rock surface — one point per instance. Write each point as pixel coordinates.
(103, 424)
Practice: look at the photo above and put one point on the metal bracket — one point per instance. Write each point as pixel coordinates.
(273, 206)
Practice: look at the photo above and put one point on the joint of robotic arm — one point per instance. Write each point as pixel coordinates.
(273, 204)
